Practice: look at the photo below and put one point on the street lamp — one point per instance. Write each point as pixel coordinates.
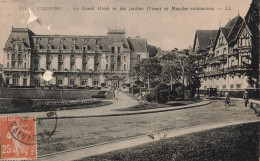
(197, 84)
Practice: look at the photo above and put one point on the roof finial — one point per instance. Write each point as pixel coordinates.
(238, 13)
(219, 24)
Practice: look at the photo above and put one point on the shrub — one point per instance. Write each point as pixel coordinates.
(237, 94)
(139, 83)
(128, 84)
(103, 84)
(101, 94)
(188, 93)
(161, 93)
(149, 97)
(24, 103)
(174, 86)
(172, 95)
(179, 92)
(192, 89)
(154, 83)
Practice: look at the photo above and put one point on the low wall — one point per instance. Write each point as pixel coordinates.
(34, 93)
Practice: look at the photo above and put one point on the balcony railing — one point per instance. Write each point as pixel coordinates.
(234, 53)
(222, 57)
(16, 69)
(238, 68)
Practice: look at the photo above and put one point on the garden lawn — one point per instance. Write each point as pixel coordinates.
(153, 105)
(232, 143)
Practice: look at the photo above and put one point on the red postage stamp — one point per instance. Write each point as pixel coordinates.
(18, 138)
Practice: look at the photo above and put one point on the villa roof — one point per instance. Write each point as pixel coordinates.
(137, 44)
(204, 37)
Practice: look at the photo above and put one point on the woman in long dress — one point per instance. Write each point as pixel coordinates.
(116, 93)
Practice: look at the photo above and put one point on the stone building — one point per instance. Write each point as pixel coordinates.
(74, 60)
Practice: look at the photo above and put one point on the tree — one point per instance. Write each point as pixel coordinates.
(152, 50)
(162, 93)
(171, 69)
(187, 65)
(148, 69)
(137, 69)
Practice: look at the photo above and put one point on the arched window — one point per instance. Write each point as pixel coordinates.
(59, 80)
(71, 80)
(16, 79)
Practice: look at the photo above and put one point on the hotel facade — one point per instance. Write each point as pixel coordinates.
(74, 60)
(229, 56)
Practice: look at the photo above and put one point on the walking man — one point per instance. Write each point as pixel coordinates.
(246, 97)
(227, 98)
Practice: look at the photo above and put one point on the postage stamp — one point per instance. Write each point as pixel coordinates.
(18, 138)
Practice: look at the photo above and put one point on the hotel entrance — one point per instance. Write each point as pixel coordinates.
(115, 81)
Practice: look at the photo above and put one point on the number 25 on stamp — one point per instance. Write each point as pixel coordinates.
(18, 138)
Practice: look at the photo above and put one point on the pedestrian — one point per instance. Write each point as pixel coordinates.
(246, 97)
(113, 92)
(227, 98)
(116, 94)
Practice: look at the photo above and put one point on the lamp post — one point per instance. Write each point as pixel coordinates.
(197, 84)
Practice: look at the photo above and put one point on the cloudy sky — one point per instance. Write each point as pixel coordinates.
(166, 28)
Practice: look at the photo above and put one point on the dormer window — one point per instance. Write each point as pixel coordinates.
(74, 41)
(97, 41)
(245, 39)
(85, 41)
(61, 48)
(37, 41)
(49, 41)
(62, 41)
(73, 47)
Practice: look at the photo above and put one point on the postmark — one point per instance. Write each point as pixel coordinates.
(44, 133)
(18, 138)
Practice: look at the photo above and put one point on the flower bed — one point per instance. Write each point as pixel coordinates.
(65, 103)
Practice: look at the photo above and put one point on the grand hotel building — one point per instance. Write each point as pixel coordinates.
(74, 60)
(230, 55)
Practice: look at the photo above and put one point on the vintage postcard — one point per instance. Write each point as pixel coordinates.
(130, 80)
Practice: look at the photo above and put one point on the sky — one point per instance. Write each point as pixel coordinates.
(167, 29)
